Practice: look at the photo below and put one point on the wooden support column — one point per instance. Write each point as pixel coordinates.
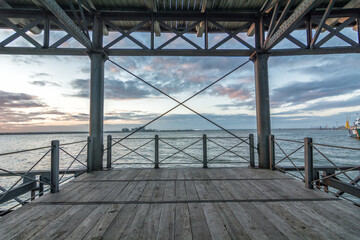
(260, 59)
(97, 58)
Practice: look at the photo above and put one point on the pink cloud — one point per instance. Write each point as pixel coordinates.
(233, 92)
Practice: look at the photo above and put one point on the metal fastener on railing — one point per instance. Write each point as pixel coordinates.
(54, 174)
(108, 152)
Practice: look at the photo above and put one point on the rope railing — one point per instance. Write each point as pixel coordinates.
(334, 176)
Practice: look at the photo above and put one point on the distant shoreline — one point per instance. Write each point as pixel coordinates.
(179, 130)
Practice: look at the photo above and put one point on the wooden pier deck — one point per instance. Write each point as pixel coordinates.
(218, 203)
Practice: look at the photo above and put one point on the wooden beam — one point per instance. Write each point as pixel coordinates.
(201, 27)
(352, 4)
(251, 30)
(342, 186)
(152, 6)
(290, 24)
(20, 21)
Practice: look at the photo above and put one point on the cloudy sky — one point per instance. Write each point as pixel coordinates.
(51, 93)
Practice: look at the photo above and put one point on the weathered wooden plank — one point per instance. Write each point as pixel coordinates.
(224, 192)
(191, 191)
(126, 191)
(169, 191)
(333, 224)
(107, 220)
(256, 225)
(316, 227)
(120, 186)
(180, 190)
(137, 191)
(216, 225)
(133, 227)
(167, 222)
(202, 191)
(12, 218)
(158, 191)
(12, 227)
(65, 223)
(182, 222)
(349, 221)
(304, 229)
(89, 222)
(148, 191)
(151, 224)
(280, 222)
(199, 227)
(230, 222)
(212, 190)
(143, 174)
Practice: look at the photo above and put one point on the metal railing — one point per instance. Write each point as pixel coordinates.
(50, 174)
(328, 177)
(166, 151)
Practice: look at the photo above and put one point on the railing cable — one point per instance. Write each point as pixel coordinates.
(179, 103)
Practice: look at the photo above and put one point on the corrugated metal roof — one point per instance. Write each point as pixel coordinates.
(171, 6)
(165, 5)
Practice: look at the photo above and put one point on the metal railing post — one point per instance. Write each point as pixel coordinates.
(309, 167)
(54, 174)
(252, 153)
(156, 151)
(204, 151)
(108, 153)
(88, 160)
(272, 152)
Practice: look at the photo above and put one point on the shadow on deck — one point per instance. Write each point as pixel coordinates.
(217, 203)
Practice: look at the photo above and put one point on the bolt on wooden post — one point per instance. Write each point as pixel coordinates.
(54, 173)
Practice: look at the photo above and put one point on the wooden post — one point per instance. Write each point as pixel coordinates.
(108, 153)
(156, 151)
(89, 163)
(204, 151)
(252, 154)
(272, 152)
(54, 173)
(309, 168)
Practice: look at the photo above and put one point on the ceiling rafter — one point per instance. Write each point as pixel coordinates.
(67, 22)
(290, 24)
